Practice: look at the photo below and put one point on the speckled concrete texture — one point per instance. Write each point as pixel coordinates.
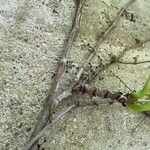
(32, 34)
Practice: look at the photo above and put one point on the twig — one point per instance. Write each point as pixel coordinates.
(113, 25)
(84, 66)
(52, 99)
(48, 126)
(46, 112)
(147, 114)
(126, 49)
(92, 92)
(122, 81)
(115, 59)
(133, 63)
(76, 24)
(138, 124)
(101, 38)
(112, 95)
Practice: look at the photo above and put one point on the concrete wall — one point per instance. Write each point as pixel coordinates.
(32, 35)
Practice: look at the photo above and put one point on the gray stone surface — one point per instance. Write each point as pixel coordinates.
(32, 35)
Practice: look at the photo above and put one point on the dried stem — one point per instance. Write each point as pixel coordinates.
(101, 38)
(52, 100)
(114, 96)
(76, 24)
(134, 63)
(137, 45)
(45, 115)
(121, 81)
(147, 114)
(77, 79)
(48, 126)
(138, 124)
(113, 25)
(115, 59)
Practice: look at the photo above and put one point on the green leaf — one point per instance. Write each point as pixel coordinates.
(137, 106)
(144, 92)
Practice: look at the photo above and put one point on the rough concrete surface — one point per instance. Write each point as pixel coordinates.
(32, 33)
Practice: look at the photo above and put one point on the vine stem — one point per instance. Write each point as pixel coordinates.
(50, 101)
(48, 126)
(114, 96)
(101, 38)
(53, 99)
